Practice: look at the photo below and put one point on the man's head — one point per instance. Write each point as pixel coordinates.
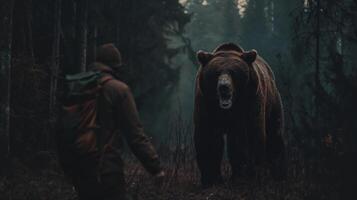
(109, 55)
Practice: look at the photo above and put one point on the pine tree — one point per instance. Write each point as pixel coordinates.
(254, 27)
(6, 9)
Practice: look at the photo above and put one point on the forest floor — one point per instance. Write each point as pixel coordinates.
(40, 178)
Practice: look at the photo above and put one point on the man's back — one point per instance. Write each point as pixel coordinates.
(118, 118)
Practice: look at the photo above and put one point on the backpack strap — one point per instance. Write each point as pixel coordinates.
(105, 79)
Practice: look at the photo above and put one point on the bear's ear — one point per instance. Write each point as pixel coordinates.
(249, 56)
(204, 57)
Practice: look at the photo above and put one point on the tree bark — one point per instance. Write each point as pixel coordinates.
(6, 9)
(55, 63)
(28, 8)
(81, 33)
(317, 60)
(23, 36)
(92, 40)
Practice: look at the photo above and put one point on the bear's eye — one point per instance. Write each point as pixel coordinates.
(241, 78)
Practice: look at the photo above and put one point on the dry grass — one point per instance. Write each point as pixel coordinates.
(40, 178)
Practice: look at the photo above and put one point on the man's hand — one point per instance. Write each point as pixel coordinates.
(159, 178)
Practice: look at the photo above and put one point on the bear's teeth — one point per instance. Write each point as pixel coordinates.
(225, 104)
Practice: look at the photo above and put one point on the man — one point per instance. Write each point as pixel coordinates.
(118, 117)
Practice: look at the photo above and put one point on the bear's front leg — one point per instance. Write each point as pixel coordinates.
(209, 146)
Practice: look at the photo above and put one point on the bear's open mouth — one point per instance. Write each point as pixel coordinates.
(225, 103)
(225, 91)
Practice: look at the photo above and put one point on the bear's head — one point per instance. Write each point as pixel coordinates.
(225, 74)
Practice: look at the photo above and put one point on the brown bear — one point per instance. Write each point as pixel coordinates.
(236, 96)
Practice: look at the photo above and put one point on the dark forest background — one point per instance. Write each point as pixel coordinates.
(311, 46)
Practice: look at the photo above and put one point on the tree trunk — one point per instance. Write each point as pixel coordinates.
(317, 61)
(81, 33)
(55, 63)
(6, 9)
(22, 22)
(92, 40)
(28, 8)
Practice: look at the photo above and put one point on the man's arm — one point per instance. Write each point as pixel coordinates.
(139, 143)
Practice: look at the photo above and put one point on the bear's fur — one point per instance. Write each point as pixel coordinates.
(253, 125)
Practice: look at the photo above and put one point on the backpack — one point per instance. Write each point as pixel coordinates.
(79, 129)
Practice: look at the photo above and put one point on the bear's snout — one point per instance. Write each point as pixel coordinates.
(225, 91)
